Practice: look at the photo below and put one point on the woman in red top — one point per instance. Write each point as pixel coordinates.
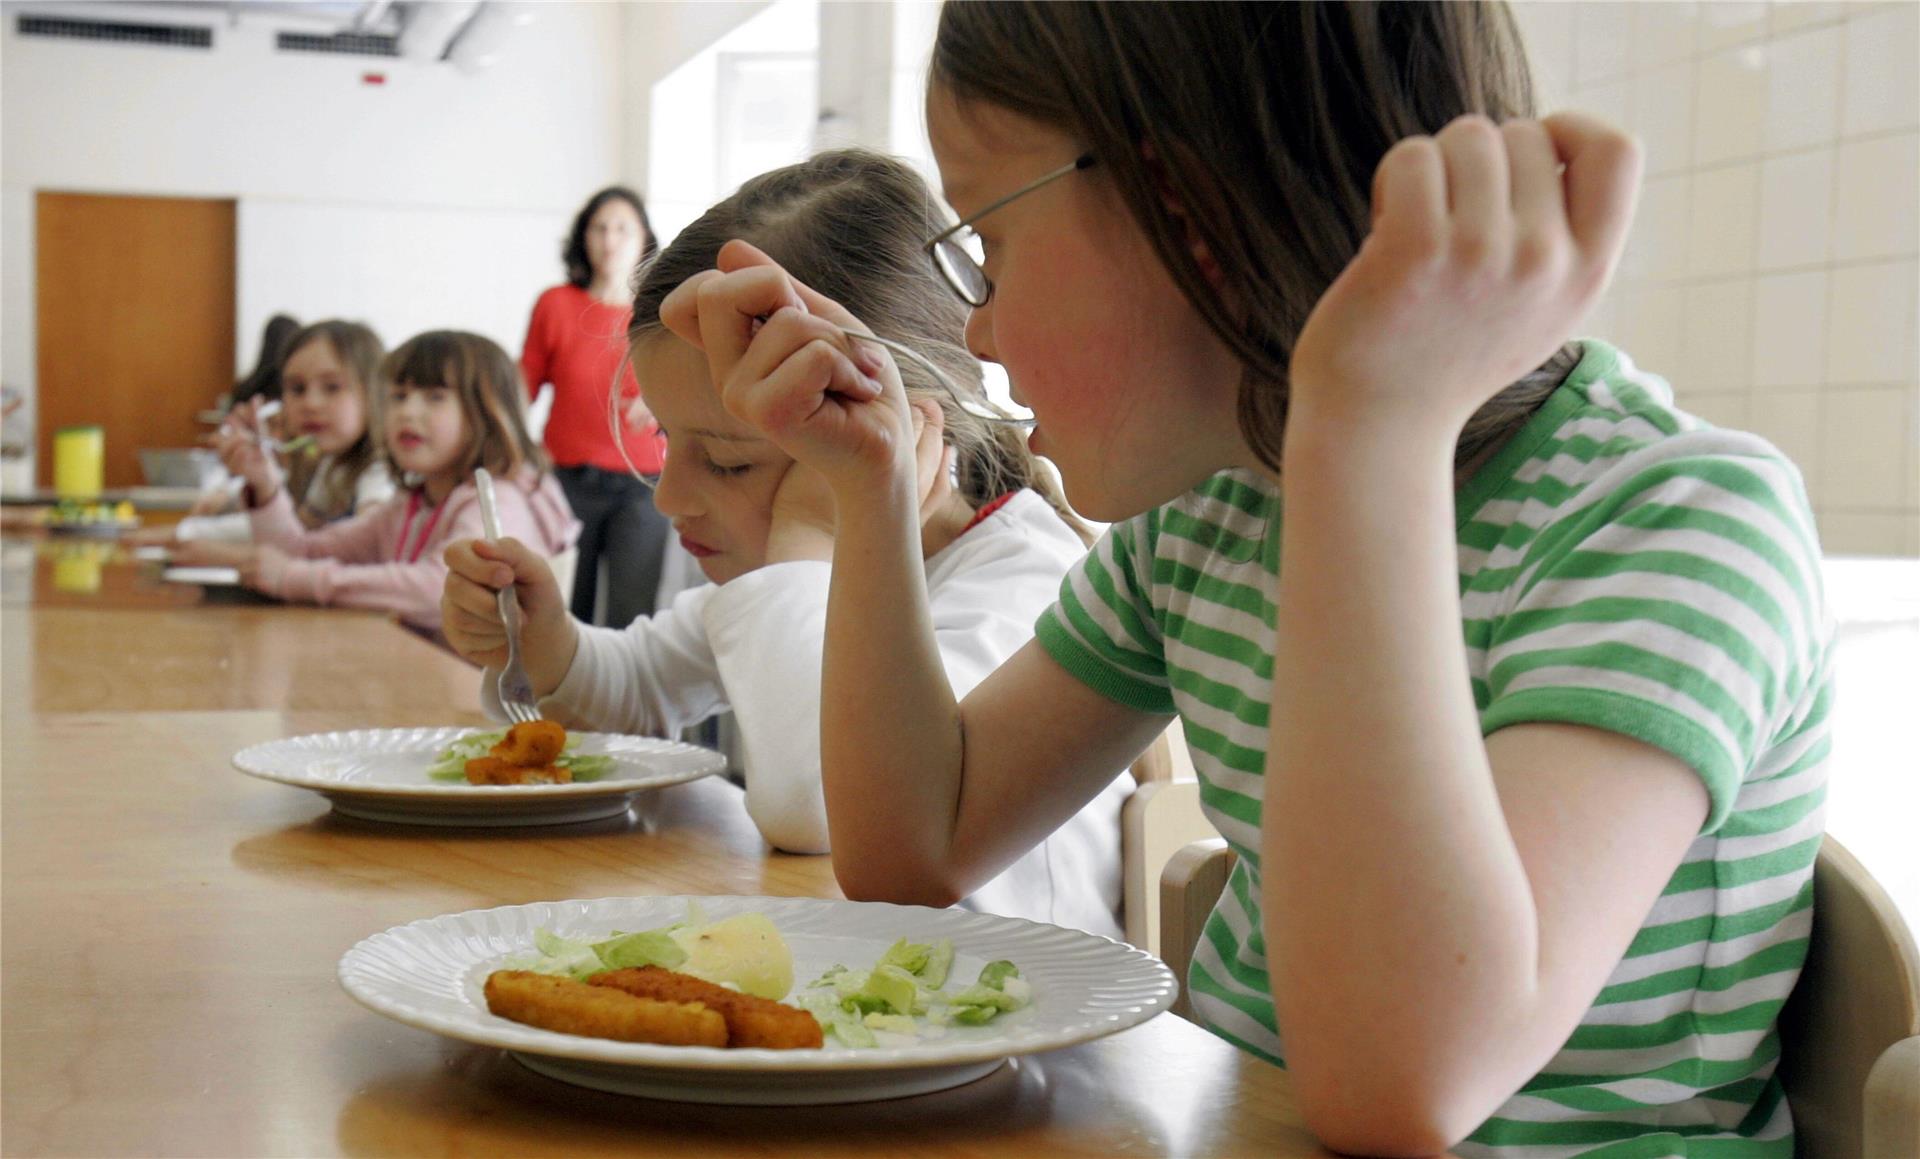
(577, 340)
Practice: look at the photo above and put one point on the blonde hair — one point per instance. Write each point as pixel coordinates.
(852, 224)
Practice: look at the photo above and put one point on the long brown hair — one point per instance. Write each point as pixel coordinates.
(1266, 122)
(487, 383)
(851, 224)
(325, 491)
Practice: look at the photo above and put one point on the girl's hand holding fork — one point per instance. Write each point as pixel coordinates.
(470, 613)
(241, 444)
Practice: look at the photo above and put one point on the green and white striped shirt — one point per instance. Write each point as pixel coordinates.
(1623, 566)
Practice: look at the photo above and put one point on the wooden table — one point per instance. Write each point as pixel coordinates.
(171, 929)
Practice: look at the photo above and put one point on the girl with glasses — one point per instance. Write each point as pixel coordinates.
(991, 538)
(1506, 680)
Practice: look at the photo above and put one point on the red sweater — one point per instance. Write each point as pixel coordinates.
(577, 342)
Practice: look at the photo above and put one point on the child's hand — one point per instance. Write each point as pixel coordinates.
(239, 444)
(1484, 256)
(470, 615)
(801, 521)
(213, 501)
(780, 361)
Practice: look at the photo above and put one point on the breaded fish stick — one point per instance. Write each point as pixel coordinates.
(751, 1021)
(494, 771)
(532, 743)
(570, 1007)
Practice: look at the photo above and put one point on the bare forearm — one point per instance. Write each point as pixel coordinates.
(1399, 911)
(890, 740)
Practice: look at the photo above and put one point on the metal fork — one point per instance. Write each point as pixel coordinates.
(516, 689)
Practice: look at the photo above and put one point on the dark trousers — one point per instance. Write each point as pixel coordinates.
(622, 529)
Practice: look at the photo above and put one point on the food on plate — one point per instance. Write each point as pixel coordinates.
(742, 968)
(536, 753)
(497, 771)
(532, 743)
(74, 514)
(751, 1021)
(745, 952)
(524, 756)
(570, 1007)
(900, 998)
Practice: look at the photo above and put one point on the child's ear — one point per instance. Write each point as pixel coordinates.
(1182, 214)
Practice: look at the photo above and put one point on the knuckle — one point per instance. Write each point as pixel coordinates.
(1472, 128)
(1475, 253)
(1539, 257)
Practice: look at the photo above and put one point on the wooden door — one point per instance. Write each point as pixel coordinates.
(135, 297)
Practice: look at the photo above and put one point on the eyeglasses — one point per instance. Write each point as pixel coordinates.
(957, 253)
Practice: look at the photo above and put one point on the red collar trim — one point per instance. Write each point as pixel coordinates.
(991, 506)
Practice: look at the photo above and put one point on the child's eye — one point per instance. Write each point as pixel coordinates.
(728, 469)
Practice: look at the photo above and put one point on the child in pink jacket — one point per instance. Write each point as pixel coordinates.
(453, 403)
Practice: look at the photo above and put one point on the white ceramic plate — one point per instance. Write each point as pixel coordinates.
(381, 775)
(216, 577)
(430, 974)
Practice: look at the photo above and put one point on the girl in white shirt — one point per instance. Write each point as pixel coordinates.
(996, 539)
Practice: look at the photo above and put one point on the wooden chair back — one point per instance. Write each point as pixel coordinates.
(1158, 819)
(1850, 1032)
(1192, 881)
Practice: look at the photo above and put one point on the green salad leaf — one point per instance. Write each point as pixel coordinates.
(900, 997)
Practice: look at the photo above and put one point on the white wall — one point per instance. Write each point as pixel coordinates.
(660, 39)
(439, 198)
(1774, 264)
(684, 159)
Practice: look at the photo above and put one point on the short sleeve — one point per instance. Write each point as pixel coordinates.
(1102, 629)
(1681, 606)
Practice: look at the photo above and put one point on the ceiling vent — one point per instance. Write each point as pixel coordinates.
(117, 31)
(339, 44)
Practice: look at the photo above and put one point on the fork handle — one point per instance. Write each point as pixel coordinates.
(489, 514)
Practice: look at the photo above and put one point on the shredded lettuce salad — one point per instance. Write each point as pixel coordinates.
(899, 1000)
(451, 764)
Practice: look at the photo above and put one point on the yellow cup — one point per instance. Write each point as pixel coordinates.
(77, 571)
(79, 462)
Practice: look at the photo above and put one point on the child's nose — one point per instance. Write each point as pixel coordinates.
(979, 333)
(671, 496)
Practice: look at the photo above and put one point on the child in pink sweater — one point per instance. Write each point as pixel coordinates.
(454, 403)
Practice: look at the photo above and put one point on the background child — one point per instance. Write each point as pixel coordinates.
(1516, 721)
(325, 395)
(990, 539)
(453, 403)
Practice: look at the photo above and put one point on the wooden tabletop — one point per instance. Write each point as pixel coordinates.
(171, 930)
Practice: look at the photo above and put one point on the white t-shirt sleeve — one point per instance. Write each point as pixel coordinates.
(767, 630)
(652, 678)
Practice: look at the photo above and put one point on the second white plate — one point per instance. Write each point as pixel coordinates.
(381, 775)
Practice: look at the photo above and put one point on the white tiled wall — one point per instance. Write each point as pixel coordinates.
(1774, 270)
